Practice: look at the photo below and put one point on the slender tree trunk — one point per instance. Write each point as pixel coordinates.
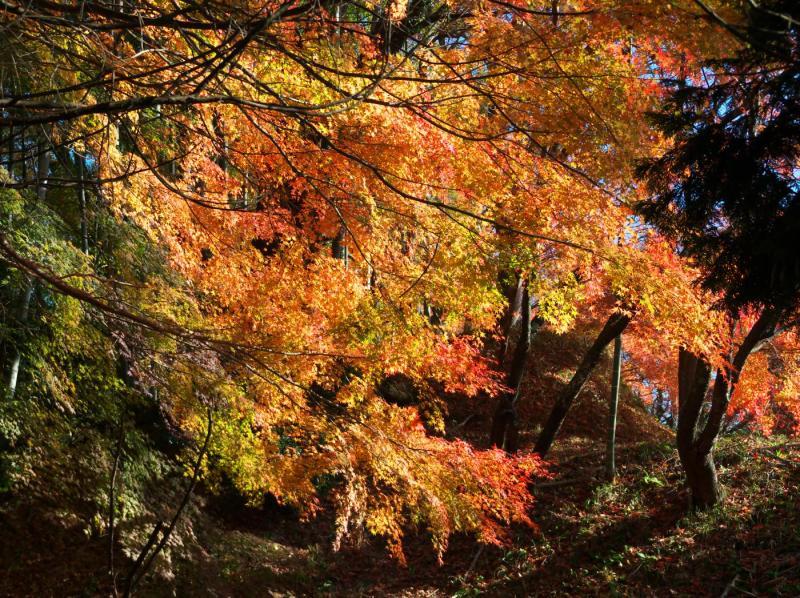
(24, 174)
(696, 444)
(616, 370)
(10, 150)
(42, 171)
(82, 200)
(112, 506)
(504, 422)
(612, 329)
(16, 362)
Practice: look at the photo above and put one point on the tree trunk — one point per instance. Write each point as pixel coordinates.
(82, 201)
(701, 476)
(616, 370)
(338, 247)
(23, 153)
(511, 318)
(42, 171)
(612, 329)
(10, 150)
(13, 376)
(695, 445)
(504, 422)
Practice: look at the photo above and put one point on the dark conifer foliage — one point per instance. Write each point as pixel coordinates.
(728, 191)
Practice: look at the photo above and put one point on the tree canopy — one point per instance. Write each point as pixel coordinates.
(289, 237)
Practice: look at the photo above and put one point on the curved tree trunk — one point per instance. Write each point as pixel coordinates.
(696, 445)
(694, 374)
(612, 329)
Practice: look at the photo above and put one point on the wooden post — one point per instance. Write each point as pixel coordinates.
(611, 469)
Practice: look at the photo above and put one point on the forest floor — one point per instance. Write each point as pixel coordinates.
(632, 538)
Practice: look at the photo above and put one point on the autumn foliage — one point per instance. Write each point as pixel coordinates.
(325, 196)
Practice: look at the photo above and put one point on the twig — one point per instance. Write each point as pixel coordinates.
(135, 578)
(465, 422)
(778, 447)
(557, 483)
(782, 576)
(787, 462)
(150, 541)
(475, 558)
(111, 504)
(730, 586)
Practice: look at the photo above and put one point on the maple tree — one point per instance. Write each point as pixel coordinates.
(297, 204)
